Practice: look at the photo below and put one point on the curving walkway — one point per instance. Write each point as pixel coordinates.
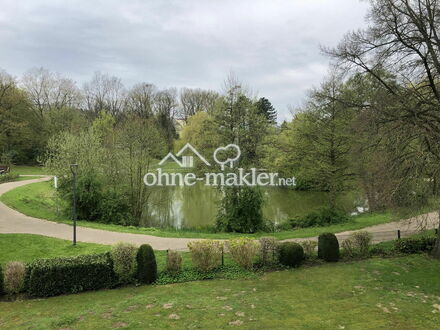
(12, 221)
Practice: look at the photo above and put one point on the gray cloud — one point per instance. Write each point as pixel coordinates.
(272, 45)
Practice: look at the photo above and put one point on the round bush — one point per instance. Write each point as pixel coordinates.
(328, 247)
(291, 254)
(146, 264)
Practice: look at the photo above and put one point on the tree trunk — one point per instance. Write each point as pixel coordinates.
(436, 251)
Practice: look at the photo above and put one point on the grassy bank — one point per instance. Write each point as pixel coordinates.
(394, 293)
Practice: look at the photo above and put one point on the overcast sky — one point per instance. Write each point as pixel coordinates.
(272, 45)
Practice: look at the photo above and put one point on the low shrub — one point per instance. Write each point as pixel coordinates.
(328, 247)
(2, 292)
(291, 254)
(124, 261)
(51, 277)
(323, 217)
(174, 262)
(229, 271)
(14, 276)
(146, 264)
(357, 245)
(381, 251)
(206, 254)
(309, 248)
(268, 250)
(8, 177)
(243, 251)
(415, 245)
(362, 242)
(348, 247)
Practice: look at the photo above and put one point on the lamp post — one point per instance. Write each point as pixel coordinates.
(74, 169)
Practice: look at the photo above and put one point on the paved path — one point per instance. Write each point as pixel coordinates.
(12, 221)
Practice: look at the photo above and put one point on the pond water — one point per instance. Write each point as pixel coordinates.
(196, 206)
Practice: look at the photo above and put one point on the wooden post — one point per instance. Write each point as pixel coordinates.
(398, 233)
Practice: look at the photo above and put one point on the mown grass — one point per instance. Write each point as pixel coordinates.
(27, 247)
(28, 170)
(38, 200)
(393, 293)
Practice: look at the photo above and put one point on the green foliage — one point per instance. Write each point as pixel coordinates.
(238, 118)
(94, 203)
(52, 277)
(323, 217)
(14, 277)
(266, 108)
(241, 210)
(8, 177)
(229, 272)
(328, 247)
(415, 245)
(174, 262)
(2, 289)
(124, 261)
(112, 160)
(89, 195)
(291, 254)
(206, 255)
(243, 251)
(146, 264)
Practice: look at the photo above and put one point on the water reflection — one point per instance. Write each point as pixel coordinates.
(196, 206)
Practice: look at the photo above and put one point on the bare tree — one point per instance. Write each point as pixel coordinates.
(402, 41)
(141, 100)
(48, 90)
(195, 100)
(104, 93)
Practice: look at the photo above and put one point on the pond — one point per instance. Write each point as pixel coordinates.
(196, 206)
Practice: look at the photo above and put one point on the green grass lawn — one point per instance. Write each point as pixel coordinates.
(38, 200)
(393, 293)
(24, 178)
(28, 170)
(27, 247)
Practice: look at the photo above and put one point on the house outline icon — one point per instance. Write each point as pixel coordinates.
(187, 161)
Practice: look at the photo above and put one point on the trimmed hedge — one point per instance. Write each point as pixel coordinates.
(415, 245)
(291, 254)
(146, 264)
(328, 247)
(51, 277)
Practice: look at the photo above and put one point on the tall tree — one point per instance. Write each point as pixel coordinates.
(140, 100)
(402, 38)
(266, 108)
(50, 91)
(196, 100)
(104, 93)
(165, 108)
